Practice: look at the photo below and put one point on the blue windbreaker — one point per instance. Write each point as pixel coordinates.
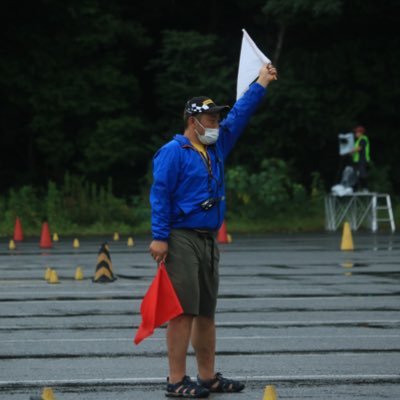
(181, 178)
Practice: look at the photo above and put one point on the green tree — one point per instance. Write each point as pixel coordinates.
(188, 64)
(287, 12)
(95, 87)
(69, 69)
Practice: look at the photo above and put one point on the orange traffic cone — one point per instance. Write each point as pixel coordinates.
(45, 239)
(18, 233)
(222, 236)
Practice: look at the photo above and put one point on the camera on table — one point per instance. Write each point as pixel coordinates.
(346, 143)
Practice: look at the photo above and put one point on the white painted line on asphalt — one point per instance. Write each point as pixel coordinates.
(59, 293)
(224, 284)
(307, 337)
(324, 299)
(321, 377)
(254, 323)
(260, 378)
(146, 284)
(307, 322)
(40, 281)
(343, 353)
(73, 340)
(218, 338)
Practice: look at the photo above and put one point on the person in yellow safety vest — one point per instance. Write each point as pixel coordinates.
(361, 157)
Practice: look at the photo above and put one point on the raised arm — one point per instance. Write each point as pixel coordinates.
(233, 125)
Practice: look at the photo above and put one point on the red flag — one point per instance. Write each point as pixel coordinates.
(159, 305)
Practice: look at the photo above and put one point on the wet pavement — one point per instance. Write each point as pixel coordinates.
(294, 311)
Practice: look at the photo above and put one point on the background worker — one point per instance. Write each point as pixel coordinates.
(361, 157)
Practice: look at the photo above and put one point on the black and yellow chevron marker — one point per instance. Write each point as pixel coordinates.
(104, 269)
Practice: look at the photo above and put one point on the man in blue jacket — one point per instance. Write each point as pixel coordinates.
(188, 206)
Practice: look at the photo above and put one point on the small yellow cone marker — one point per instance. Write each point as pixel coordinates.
(347, 239)
(270, 393)
(76, 244)
(116, 236)
(53, 277)
(78, 274)
(11, 245)
(229, 238)
(130, 243)
(55, 237)
(48, 394)
(347, 264)
(47, 274)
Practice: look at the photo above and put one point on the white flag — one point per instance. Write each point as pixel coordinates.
(250, 63)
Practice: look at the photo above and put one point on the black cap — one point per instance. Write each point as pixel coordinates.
(202, 105)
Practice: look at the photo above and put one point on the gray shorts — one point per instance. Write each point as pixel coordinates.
(192, 265)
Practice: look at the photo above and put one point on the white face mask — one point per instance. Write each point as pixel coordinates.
(210, 134)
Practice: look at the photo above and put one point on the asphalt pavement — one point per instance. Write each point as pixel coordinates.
(294, 311)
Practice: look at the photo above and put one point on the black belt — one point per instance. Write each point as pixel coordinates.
(204, 231)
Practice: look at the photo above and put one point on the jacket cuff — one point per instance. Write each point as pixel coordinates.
(260, 87)
(161, 239)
